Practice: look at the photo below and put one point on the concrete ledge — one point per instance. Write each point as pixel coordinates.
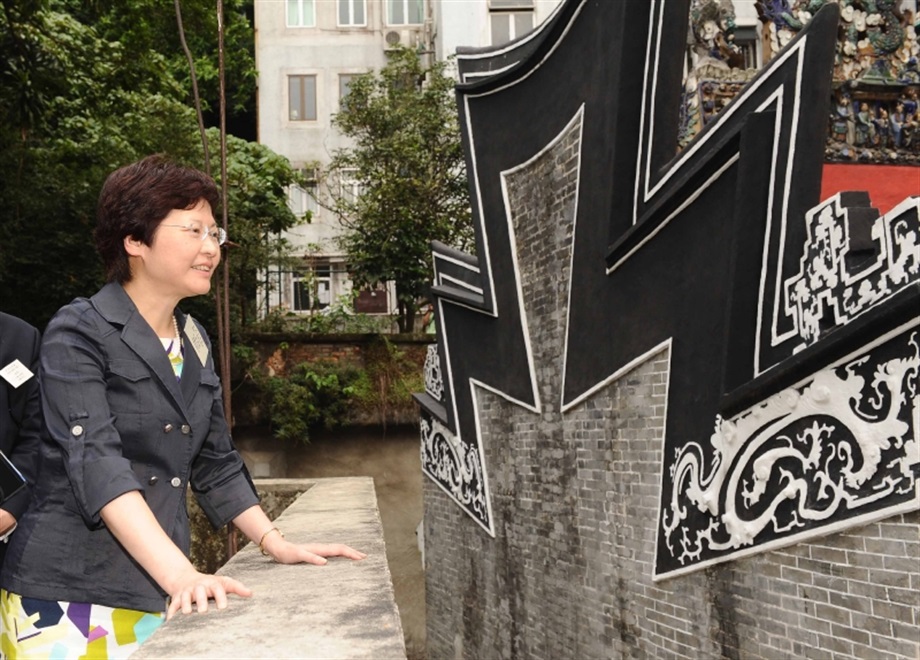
(344, 609)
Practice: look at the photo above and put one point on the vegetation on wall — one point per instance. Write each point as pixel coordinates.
(313, 395)
(384, 389)
(326, 394)
(337, 318)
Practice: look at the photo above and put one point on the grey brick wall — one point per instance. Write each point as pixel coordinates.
(575, 503)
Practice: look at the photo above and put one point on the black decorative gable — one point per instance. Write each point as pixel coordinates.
(792, 401)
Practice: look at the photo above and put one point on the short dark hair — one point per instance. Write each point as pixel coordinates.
(134, 201)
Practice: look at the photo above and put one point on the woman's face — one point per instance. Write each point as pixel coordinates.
(178, 262)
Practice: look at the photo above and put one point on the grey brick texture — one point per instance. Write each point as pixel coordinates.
(575, 502)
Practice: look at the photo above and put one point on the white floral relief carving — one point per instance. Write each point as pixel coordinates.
(832, 287)
(455, 466)
(434, 382)
(846, 442)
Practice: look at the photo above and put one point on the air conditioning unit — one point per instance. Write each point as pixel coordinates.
(402, 38)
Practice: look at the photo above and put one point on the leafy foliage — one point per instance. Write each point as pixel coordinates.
(71, 112)
(258, 212)
(388, 382)
(313, 395)
(328, 394)
(407, 162)
(87, 86)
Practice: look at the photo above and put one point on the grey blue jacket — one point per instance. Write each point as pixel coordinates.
(117, 420)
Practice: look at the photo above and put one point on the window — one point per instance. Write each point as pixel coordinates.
(300, 13)
(322, 285)
(510, 19)
(351, 187)
(747, 40)
(300, 301)
(302, 98)
(303, 199)
(345, 84)
(405, 12)
(311, 287)
(351, 12)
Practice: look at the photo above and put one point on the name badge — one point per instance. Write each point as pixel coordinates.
(197, 341)
(16, 373)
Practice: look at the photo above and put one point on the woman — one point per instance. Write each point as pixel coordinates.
(133, 414)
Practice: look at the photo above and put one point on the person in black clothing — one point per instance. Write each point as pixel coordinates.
(20, 412)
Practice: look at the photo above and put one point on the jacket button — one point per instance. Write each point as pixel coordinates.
(76, 430)
(176, 482)
(153, 480)
(168, 428)
(186, 429)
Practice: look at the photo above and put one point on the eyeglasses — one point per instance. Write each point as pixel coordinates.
(199, 231)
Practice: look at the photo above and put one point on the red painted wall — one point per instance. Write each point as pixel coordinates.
(887, 185)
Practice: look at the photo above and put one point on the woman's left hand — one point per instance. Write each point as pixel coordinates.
(285, 552)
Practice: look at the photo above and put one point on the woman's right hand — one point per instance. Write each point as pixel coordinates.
(7, 521)
(130, 520)
(199, 588)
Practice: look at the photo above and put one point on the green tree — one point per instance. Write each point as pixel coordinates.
(407, 164)
(77, 100)
(257, 179)
(71, 110)
(149, 26)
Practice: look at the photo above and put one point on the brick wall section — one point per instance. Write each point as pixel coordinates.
(342, 348)
(279, 353)
(575, 503)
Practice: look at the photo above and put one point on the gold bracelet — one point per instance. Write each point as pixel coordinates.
(262, 540)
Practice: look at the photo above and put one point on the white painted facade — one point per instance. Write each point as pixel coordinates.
(472, 23)
(323, 40)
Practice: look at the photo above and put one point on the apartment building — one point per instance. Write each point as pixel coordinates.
(307, 52)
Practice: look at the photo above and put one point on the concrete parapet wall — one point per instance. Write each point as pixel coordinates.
(344, 609)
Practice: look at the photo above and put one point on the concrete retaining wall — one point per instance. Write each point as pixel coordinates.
(344, 609)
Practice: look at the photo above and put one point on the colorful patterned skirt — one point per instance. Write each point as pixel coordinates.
(56, 630)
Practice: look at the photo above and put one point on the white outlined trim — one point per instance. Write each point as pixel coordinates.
(577, 119)
(580, 117)
(532, 70)
(490, 528)
(645, 142)
(776, 338)
(619, 373)
(486, 256)
(467, 77)
(457, 282)
(775, 99)
(458, 262)
(513, 45)
(643, 161)
(882, 233)
(809, 535)
(687, 202)
(644, 174)
(466, 97)
(821, 530)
